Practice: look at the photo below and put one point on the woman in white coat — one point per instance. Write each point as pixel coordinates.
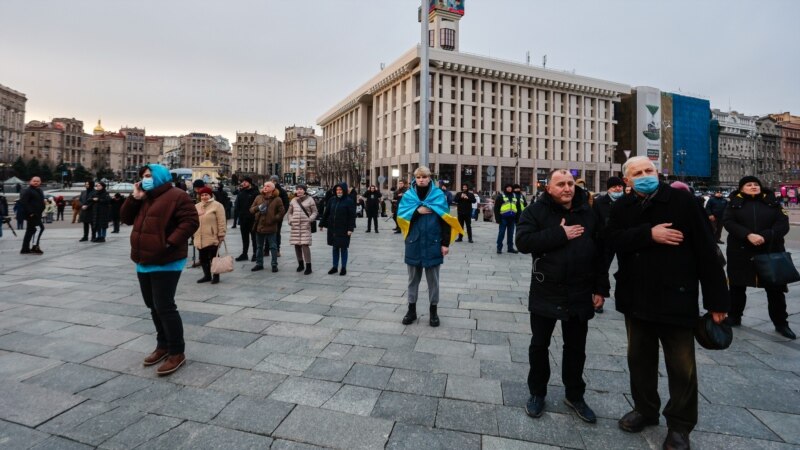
(302, 213)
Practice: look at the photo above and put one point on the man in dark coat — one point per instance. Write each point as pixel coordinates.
(340, 220)
(244, 200)
(464, 201)
(570, 279)
(756, 225)
(398, 195)
(86, 199)
(116, 204)
(31, 202)
(285, 199)
(664, 249)
(602, 206)
(519, 198)
(715, 208)
(374, 198)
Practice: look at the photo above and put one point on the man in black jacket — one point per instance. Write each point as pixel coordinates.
(244, 199)
(31, 202)
(664, 248)
(398, 195)
(85, 217)
(602, 206)
(520, 199)
(374, 198)
(570, 279)
(464, 201)
(715, 208)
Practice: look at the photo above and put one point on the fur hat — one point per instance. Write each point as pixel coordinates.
(205, 190)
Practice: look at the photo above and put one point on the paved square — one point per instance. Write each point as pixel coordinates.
(289, 361)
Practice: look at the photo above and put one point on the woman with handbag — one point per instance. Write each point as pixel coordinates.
(302, 218)
(756, 224)
(211, 233)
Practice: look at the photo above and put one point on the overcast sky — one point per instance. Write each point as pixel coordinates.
(179, 66)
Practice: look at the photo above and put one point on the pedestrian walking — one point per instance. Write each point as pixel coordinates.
(505, 212)
(664, 250)
(61, 204)
(373, 202)
(116, 204)
(31, 206)
(428, 228)
(268, 212)
(302, 215)
(756, 224)
(100, 211)
(340, 220)
(163, 219)
(569, 281)
(76, 208)
(86, 217)
(244, 200)
(475, 204)
(602, 206)
(464, 201)
(715, 209)
(211, 232)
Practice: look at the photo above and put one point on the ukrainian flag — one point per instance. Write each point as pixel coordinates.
(436, 201)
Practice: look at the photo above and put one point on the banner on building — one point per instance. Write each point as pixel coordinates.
(453, 6)
(648, 124)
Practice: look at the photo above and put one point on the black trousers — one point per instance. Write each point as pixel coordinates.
(158, 290)
(574, 333)
(115, 221)
(248, 235)
(86, 227)
(370, 220)
(678, 345)
(717, 226)
(60, 214)
(277, 236)
(776, 304)
(465, 220)
(206, 255)
(34, 224)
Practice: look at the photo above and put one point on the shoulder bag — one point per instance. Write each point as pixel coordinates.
(222, 264)
(312, 222)
(775, 269)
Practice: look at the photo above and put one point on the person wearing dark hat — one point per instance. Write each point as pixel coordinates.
(602, 206)
(666, 255)
(196, 186)
(244, 200)
(519, 197)
(715, 208)
(756, 224)
(505, 212)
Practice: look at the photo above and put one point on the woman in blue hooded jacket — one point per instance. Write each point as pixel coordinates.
(163, 219)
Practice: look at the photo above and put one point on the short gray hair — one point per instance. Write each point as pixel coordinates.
(269, 183)
(422, 171)
(634, 160)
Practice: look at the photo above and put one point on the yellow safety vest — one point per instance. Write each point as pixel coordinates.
(509, 205)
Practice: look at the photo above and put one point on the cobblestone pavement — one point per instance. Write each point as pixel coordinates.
(288, 361)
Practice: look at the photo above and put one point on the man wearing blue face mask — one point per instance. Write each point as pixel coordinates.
(664, 249)
(615, 189)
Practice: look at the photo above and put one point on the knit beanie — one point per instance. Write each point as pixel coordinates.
(614, 181)
(749, 179)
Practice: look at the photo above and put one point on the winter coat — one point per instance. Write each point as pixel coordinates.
(427, 233)
(373, 203)
(212, 224)
(338, 219)
(244, 200)
(3, 207)
(49, 207)
(100, 210)
(498, 202)
(658, 282)
(116, 204)
(745, 214)
(398, 195)
(283, 195)
(76, 206)
(522, 202)
(566, 272)
(85, 198)
(60, 203)
(31, 202)
(266, 222)
(716, 207)
(464, 201)
(162, 223)
(299, 221)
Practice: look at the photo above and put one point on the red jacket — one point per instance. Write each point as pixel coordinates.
(162, 223)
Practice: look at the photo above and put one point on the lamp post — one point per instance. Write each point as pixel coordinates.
(681, 159)
(516, 142)
(424, 81)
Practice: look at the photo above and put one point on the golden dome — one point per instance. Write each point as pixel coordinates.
(99, 128)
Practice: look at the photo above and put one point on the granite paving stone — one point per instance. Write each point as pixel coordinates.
(368, 376)
(498, 443)
(285, 364)
(72, 418)
(50, 347)
(410, 360)
(282, 444)
(406, 408)
(420, 383)
(413, 437)
(304, 391)
(254, 415)
(466, 416)
(328, 369)
(782, 424)
(353, 400)
(116, 388)
(59, 443)
(71, 378)
(365, 355)
(248, 382)
(149, 427)
(193, 435)
(550, 428)
(150, 398)
(474, 389)
(199, 405)
(18, 437)
(19, 366)
(605, 434)
(334, 429)
(101, 427)
(31, 405)
(197, 374)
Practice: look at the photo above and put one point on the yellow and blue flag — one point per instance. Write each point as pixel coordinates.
(436, 201)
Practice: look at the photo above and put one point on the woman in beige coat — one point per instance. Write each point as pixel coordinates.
(300, 221)
(211, 232)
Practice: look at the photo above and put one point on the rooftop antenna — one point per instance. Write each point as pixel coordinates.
(544, 61)
(383, 66)
(528, 57)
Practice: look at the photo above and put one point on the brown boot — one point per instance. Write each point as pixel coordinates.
(173, 363)
(156, 357)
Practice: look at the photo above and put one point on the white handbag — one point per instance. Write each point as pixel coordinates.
(222, 264)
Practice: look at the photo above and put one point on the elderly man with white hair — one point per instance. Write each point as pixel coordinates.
(664, 249)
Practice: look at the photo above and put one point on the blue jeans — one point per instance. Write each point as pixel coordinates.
(101, 232)
(339, 251)
(273, 248)
(507, 226)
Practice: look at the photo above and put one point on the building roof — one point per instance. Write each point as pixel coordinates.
(480, 65)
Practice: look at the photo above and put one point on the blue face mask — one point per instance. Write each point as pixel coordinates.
(646, 185)
(616, 195)
(148, 183)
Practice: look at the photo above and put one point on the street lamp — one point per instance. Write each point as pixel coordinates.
(681, 159)
(516, 142)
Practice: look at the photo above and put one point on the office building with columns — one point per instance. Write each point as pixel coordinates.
(255, 155)
(492, 122)
(735, 137)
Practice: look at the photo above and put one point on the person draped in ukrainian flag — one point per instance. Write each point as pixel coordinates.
(423, 216)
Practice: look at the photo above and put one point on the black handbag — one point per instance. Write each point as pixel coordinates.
(775, 269)
(313, 222)
(713, 336)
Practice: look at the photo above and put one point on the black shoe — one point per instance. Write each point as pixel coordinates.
(204, 280)
(343, 272)
(257, 268)
(333, 270)
(253, 259)
(242, 257)
(24, 252)
(434, 317)
(499, 252)
(582, 410)
(83, 239)
(301, 266)
(733, 321)
(459, 240)
(37, 251)
(513, 251)
(599, 310)
(368, 231)
(308, 269)
(411, 315)
(634, 422)
(784, 331)
(274, 269)
(94, 240)
(215, 279)
(376, 231)
(676, 441)
(100, 240)
(535, 407)
(397, 232)
(471, 241)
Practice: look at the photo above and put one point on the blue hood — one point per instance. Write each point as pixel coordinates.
(160, 174)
